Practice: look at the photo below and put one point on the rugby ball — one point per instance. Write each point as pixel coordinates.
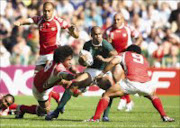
(85, 58)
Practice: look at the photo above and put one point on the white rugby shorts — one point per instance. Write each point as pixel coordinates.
(95, 72)
(43, 59)
(132, 87)
(44, 96)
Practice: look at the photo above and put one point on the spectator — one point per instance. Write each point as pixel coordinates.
(142, 15)
(21, 51)
(65, 7)
(4, 56)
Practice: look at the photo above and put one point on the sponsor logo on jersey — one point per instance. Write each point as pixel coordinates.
(118, 31)
(124, 34)
(53, 28)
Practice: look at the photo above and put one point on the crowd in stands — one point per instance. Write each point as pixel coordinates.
(157, 21)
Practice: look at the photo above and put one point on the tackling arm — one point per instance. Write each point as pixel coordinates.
(111, 56)
(62, 78)
(111, 64)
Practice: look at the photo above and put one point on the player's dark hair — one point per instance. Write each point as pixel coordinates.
(46, 3)
(9, 95)
(134, 48)
(61, 53)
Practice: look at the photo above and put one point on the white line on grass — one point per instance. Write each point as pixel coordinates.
(82, 125)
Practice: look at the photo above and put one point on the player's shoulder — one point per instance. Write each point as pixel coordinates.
(58, 18)
(129, 27)
(60, 67)
(128, 54)
(88, 43)
(105, 42)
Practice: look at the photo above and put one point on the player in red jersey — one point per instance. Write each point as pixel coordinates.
(55, 73)
(7, 105)
(136, 81)
(120, 35)
(49, 27)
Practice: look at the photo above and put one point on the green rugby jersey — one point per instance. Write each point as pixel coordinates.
(104, 49)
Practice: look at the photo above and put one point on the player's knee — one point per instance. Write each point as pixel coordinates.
(104, 83)
(106, 97)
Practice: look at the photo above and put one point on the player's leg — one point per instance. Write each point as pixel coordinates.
(129, 103)
(42, 61)
(147, 90)
(105, 117)
(159, 107)
(117, 74)
(44, 108)
(22, 109)
(43, 100)
(55, 96)
(125, 101)
(113, 91)
(101, 83)
(41, 109)
(81, 81)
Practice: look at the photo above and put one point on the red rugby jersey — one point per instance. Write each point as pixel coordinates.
(49, 75)
(121, 37)
(135, 66)
(49, 32)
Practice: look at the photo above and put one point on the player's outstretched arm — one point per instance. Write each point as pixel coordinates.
(116, 60)
(20, 22)
(73, 31)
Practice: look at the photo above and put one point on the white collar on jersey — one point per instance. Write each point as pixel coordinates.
(97, 45)
(121, 26)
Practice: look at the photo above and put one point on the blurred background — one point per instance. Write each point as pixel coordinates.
(158, 22)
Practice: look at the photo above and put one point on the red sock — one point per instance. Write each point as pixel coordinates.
(28, 109)
(123, 98)
(54, 95)
(102, 105)
(128, 99)
(13, 106)
(158, 105)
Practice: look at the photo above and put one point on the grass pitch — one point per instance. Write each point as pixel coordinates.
(78, 109)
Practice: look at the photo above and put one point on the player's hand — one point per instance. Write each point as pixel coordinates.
(98, 76)
(17, 23)
(73, 31)
(72, 28)
(66, 83)
(82, 60)
(99, 57)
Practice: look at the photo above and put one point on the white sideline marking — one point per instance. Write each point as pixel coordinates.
(82, 125)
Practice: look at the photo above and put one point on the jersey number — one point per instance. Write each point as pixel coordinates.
(138, 58)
